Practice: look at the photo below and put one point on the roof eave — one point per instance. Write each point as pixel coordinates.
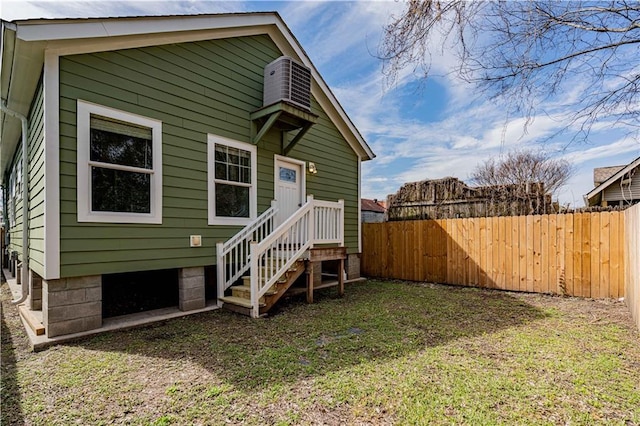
(72, 29)
(604, 185)
(20, 70)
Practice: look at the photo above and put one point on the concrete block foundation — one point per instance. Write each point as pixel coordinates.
(71, 305)
(352, 265)
(191, 289)
(35, 291)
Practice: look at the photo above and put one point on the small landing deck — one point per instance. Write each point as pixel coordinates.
(319, 254)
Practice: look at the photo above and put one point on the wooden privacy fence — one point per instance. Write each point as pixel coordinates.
(632, 261)
(580, 254)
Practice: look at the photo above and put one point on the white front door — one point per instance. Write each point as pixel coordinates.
(289, 190)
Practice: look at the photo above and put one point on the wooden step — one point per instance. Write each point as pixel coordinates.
(246, 279)
(245, 303)
(31, 319)
(247, 288)
(244, 292)
(271, 270)
(241, 291)
(240, 301)
(246, 282)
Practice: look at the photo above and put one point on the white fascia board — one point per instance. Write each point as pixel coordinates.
(7, 48)
(604, 185)
(20, 74)
(115, 27)
(76, 47)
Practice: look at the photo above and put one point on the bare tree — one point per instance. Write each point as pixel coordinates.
(523, 169)
(527, 52)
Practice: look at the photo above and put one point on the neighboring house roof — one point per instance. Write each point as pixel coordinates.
(26, 43)
(612, 179)
(601, 174)
(371, 206)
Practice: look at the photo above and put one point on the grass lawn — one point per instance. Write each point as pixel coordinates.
(386, 353)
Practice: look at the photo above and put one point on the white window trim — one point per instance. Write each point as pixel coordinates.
(212, 141)
(85, 214)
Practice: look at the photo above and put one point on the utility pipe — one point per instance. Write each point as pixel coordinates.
(25, 202)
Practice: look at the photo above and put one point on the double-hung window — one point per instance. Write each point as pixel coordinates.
(119, 166)
(232, 181)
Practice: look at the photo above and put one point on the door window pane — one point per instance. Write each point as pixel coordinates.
(287, 175)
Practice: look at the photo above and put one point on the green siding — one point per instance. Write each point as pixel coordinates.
(195, 89)
(35, 140)
(36, 184)
(15, 228)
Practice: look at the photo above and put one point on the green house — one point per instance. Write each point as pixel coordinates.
(170, 164)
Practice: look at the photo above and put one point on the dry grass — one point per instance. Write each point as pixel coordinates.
(386, 353)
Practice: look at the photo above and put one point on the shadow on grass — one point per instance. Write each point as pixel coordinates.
(374, 321)
(10, 395)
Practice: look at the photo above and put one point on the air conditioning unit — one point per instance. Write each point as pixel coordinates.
(287, 80)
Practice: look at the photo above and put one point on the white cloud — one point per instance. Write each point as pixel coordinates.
(624, 145)
(12, 9)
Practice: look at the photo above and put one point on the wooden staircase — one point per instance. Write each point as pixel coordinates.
(284, 248)
(240, 299)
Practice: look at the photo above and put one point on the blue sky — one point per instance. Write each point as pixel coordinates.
(418, 131)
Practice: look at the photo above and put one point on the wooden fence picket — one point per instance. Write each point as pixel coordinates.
(578, 254)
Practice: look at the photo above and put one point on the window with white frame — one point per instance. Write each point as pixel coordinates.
(119, 166)
(232, 181)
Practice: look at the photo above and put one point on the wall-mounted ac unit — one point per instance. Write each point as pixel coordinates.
(287, 80)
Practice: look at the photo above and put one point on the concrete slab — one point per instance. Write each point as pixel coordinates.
(39, 343)
(16, 289)
(42, 342)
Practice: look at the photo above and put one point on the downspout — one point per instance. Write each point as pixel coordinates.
(25, 203)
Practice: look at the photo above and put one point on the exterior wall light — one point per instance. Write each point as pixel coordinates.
(312, 168)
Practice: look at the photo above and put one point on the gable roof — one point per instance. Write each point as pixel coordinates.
(371, 206)
(600, 174)
(25, 43)
(612, 179)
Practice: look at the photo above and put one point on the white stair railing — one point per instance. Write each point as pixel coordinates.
(233, 256)
(329, 222)
(316, 222)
